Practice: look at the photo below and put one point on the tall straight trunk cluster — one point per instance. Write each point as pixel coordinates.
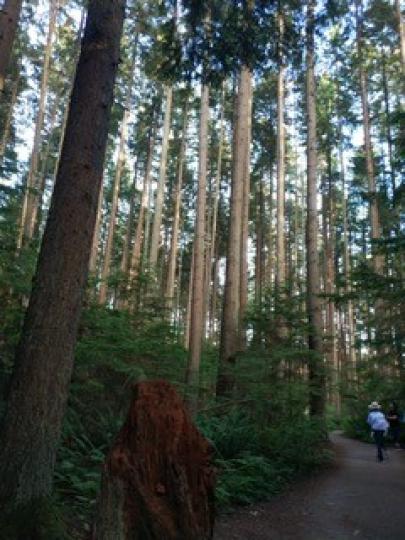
(197, 313)
(157, 221)
(235, 279)
(37, 399)
(106, 268)
(378, 259)
(314, 307)
(142, 227)
(29, 210)
(9, 17)
(177, 196)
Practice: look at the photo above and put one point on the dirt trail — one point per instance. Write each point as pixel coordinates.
(359, 498)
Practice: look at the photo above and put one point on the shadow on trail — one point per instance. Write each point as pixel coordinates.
(359, 498)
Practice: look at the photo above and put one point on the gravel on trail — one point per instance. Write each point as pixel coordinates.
(357, 498)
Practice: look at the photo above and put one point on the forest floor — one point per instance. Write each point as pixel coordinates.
(357, 498)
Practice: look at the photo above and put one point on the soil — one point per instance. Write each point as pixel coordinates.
(358, 498)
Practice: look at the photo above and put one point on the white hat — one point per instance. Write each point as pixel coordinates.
(374, 405)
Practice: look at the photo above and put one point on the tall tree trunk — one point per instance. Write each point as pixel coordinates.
(174, 240)
(9, 16)
(230, 331)
(213, 211)
(9, 117)
(96, 233)
(31, 195)
(270, 238)
(105, 272)
(316, 367)
(244, 236)
(145, 201)
(37, 399)
(350, 326)
(378, 259)
(128, 229)
(330, 288)
(259, 262)
(44, 160)
(157, 220)
(281, 329)
(281, 269)
(197, 302)
(388, 125)
(187, 324)
(401, 32)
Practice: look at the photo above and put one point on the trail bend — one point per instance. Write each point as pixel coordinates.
(358, 498)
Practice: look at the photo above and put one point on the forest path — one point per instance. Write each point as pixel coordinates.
(358, 498)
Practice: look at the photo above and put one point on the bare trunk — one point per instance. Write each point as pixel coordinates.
(197, 303)
(378, 259)
(9, 117)
(244, 277)
(9, 16)
(259, 261)
(137, 247)
(96, 234)
(174, 241)
(281, 264)
(316, 367)
(128, 229)
(105, 273)
(212, 239)
(347, 267)
(270, 238)
(189, 300)
(31, 195)
(388, 127)
(230, 331)
(157, 221)
(37, 399)
(214, 297)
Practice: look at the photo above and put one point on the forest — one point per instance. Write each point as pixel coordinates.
(201, 222)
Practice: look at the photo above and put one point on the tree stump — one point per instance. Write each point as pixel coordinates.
(158, 481)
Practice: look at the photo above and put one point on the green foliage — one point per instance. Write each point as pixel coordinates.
(255, 460)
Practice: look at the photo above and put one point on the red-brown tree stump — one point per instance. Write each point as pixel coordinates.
(158, 481)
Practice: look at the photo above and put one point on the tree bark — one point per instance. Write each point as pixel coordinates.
(9, 118)
(174, 241)
(281, 327)
(281, 264)
(39, 388)
(158, 480)
(105, 273)
(157, 220)
(128, 229)
(316, 362)
(378, 259)
(9, 17)
(350, 326)
(145, 200)
(388, 126)
(197, 303)
(212, 215)
(96, 234)
(31, 195)
(230, 331)
(244, 272)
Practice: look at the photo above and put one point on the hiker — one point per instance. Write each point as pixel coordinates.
(393, 418)
(379, 425)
